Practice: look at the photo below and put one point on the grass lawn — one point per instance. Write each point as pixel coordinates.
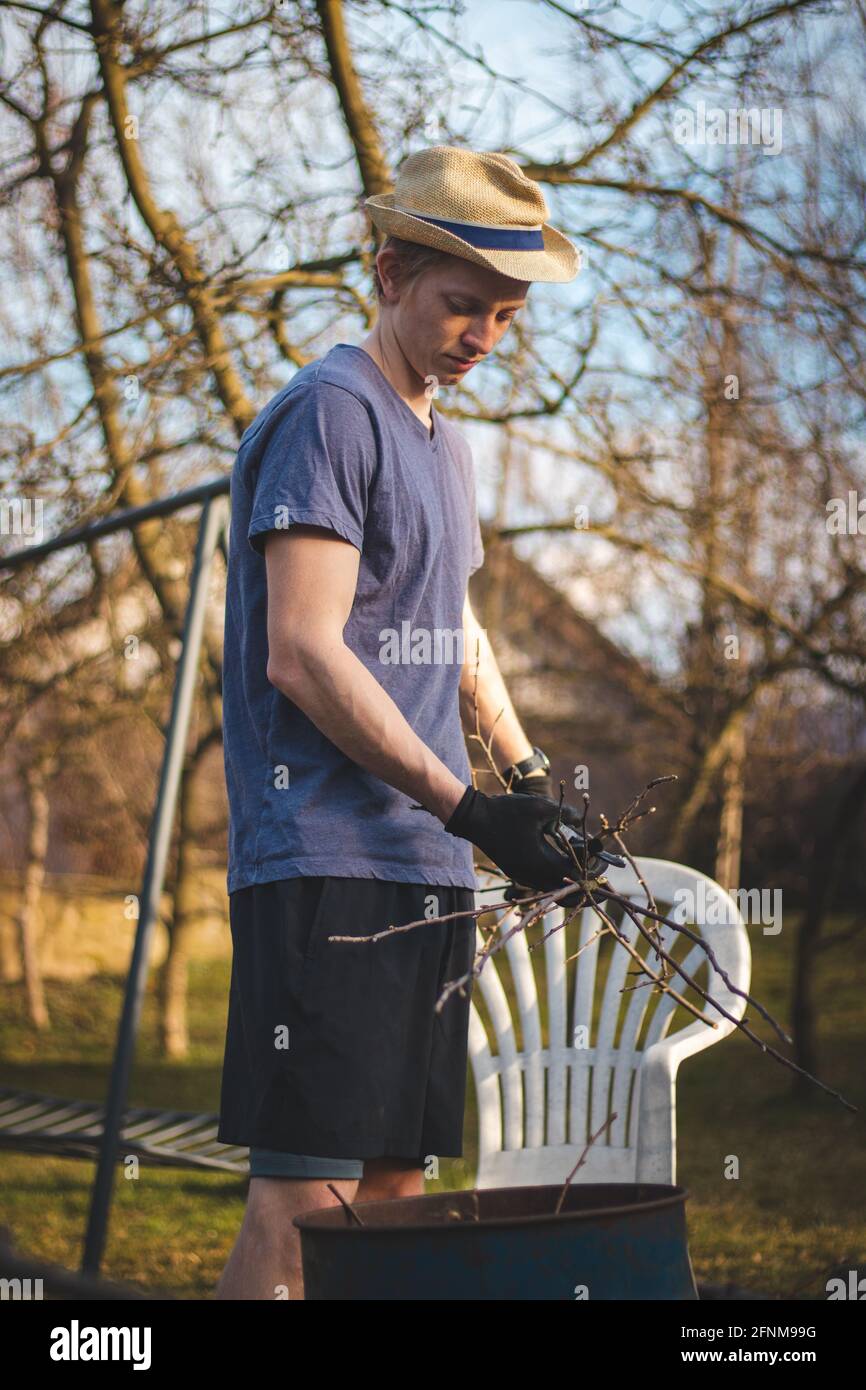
(795, 1212)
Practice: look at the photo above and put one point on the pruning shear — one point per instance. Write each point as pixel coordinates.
(597, 857)
(593, 848)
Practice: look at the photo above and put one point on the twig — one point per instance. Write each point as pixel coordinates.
(699, 941)
(741, 1023)
(658, 979)
(350, 1210)
(427, 922)
(546, 900)
(626, 853)
(526, 920)
(488, 746)
(579, 1162)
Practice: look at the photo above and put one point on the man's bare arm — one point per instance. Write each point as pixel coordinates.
(510, 744)
(312, 576)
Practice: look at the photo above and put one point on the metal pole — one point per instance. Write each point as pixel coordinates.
(224, 539)
(212, 522)
(118, 521)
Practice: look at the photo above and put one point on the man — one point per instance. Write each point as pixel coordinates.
(354, 533)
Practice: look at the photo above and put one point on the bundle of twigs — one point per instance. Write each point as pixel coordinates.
(586, 888)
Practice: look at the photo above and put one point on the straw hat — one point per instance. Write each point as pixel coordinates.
(478, 206)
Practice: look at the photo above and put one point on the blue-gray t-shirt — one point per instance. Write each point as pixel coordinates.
(338, 447)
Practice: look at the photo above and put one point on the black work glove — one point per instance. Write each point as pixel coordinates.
(537, 784)
(596, 859)
(510, 830)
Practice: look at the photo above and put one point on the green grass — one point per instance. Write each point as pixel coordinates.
(795, 1211)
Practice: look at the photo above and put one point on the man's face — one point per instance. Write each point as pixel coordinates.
(452, 316)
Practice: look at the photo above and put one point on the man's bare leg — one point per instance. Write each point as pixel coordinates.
(390, 1177)
(266, 1259)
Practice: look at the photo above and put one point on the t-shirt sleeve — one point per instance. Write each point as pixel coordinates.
(315, 465)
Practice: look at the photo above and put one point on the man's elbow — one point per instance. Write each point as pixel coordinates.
(288, 668)
(277, 676)
(293, 666)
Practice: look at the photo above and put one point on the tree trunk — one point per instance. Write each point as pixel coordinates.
(730, 842)
(34, 877)
(357, 111)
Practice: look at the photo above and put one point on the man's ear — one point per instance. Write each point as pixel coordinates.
(386, 264)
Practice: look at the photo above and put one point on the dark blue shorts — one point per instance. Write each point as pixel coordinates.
(334, 1052)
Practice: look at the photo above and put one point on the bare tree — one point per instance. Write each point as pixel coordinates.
(182, 216)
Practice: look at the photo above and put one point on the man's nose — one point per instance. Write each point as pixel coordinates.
(480, 336)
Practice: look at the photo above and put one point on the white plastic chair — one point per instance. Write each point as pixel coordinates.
(538, 1106)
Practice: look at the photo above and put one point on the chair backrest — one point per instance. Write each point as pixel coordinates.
(539, 1102)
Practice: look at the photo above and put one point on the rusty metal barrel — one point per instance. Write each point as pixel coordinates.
(609, 1241)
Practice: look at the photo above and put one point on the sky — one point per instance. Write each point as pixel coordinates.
(528, 42)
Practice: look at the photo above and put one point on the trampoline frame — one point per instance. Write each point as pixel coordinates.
(212, 498)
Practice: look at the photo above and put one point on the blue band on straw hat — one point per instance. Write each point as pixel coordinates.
(490, 238)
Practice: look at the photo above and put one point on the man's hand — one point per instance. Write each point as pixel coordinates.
(592, 861)
(536, 784)
(510, 830)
